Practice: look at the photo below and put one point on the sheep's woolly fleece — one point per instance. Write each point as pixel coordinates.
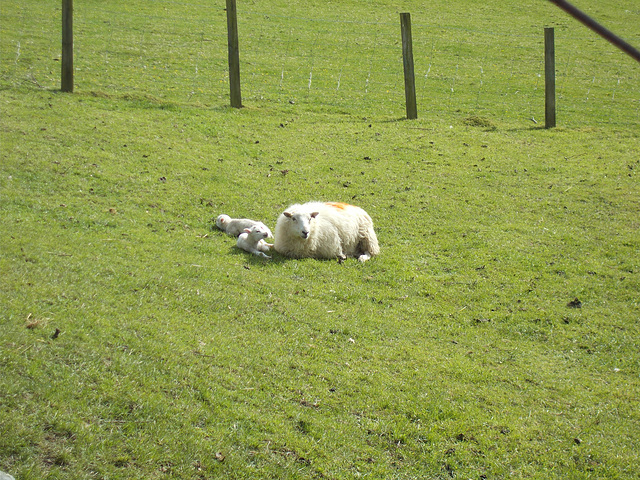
(234, 226)
(326, 230)
(253, 241)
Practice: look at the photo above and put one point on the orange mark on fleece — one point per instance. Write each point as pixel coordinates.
(338, 205)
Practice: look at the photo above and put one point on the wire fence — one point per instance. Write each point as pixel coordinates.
(170, 52)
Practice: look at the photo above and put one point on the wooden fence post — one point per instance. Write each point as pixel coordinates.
(409, 74)
(549, 79)
(66, 83)
(234, 54)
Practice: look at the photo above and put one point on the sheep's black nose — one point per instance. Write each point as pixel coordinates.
(305, 234)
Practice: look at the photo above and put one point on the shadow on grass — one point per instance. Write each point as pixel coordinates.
(531, 128)
(277, 258)
(137, 100)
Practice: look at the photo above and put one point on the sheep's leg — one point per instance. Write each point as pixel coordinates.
(364, 257)
(260, 254)
(368, 242)
(264, 246)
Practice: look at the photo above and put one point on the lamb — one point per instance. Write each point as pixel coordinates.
(234, 226)
(253, 240)
(326, 230)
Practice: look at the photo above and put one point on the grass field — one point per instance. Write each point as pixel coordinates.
(495, 336)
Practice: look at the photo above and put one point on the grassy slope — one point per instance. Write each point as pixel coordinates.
(454, 353)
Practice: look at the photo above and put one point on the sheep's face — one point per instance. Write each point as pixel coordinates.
(301, 222)
(259, 232)
(222, 220)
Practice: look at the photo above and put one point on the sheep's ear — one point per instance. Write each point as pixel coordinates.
(315, 214)
(247, 230)
(288, 214)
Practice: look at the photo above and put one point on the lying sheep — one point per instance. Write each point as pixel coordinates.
(253, 241)
(326, 230)
(234, 226)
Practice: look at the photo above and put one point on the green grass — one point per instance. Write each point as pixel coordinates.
(457, 353)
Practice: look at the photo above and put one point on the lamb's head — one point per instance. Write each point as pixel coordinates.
(222, 221)
(301, 222)
(259, 231)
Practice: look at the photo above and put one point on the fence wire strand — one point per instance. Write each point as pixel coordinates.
(351, 65)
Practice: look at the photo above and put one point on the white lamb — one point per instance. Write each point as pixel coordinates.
(253, 240)
(234, 226)
(326, 230)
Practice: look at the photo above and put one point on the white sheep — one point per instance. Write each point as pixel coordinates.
(326, 230)
(253, 241)
(234, 226)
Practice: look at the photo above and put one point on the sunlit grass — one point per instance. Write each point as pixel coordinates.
(495, 336)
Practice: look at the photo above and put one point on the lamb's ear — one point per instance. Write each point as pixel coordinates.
(288, 214)
(247, 230)
(315, 214)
